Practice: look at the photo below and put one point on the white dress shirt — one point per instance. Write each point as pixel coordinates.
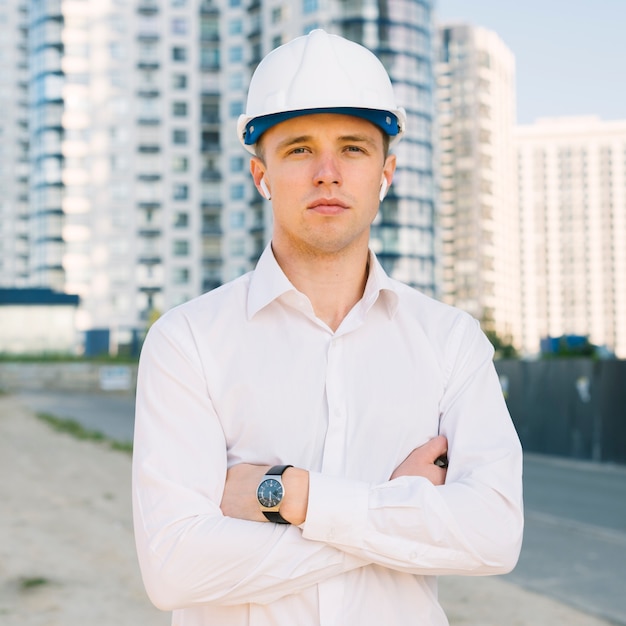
(248, 373)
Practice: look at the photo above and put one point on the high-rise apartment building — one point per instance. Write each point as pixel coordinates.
(572, 194)
(138, 194)
(14, 143)
(478, 209)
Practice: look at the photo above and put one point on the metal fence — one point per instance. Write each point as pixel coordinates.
(568, 407)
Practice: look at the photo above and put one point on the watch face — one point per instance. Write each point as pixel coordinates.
(269, 493)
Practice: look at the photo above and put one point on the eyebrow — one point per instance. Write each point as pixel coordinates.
(341, 139)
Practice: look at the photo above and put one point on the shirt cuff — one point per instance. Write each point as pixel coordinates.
(337, 510)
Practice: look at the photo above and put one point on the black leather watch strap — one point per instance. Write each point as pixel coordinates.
(275, 516)
(277, 470)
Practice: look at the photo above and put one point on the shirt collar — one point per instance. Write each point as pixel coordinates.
(268, 283)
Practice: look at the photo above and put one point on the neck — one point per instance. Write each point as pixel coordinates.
(333, 282)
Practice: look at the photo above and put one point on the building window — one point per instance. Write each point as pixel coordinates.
(237, 247)
(181, 220)
(235, 81)
(181, 247)
(236, 109)
(179, 26)
(181, 276)
(180, 164)
(234, 3)
(179, 137)
(277, 15)
(237, 192)
(309, 6)
(210, 113)
(180, 192)
(209, 28)
(209, 58)
(235, 54)
(179, 81)
(179, 109)
(236, 164)
(179, 53)
(237, 219)
(235, 27)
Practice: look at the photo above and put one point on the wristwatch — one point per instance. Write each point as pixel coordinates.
(270, 493)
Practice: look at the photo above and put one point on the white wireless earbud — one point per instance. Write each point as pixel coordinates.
(266, 191)
(383, 189)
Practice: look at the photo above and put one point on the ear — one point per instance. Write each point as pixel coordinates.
(388, 171)
(383, 189)
(257, 169)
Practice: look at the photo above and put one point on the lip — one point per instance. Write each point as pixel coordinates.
(328, 206)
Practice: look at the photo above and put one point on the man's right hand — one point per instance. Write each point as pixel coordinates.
(421, 462)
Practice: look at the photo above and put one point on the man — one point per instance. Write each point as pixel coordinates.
(289, 424)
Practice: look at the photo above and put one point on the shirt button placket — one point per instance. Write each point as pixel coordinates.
(331, 592)
(334, 447)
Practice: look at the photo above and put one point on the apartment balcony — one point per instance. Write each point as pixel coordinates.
(210, 147)
(148, 36)
(210, 36)
(149, 258)
(148, 91)
(148, 7)
(149, 205)
(209, 8)
(148, 148)
(148, 120)
(149, 178)
(148, 64)
(210, 120)
(208, 176)
(211, 230)
(258, 228)
(150, 289)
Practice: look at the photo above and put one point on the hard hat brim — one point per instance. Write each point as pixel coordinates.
(253, 128)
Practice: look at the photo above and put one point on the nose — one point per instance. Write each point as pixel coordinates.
(327, 171)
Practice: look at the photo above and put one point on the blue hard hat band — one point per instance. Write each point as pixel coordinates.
(385, 120)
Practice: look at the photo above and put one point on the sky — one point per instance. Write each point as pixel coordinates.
(570, 54)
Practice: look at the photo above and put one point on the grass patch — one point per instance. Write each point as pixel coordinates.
(31, 582)
(78, 431)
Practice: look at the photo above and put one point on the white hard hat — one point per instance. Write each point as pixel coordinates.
(319, 73)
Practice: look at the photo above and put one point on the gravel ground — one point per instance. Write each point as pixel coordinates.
(67, 556)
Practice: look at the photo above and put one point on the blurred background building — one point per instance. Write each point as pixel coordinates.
(123, 180)
(572, 194)
(14, 144)
(478, 206)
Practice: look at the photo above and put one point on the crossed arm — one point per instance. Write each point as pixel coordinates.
(196, 545)
(239, 499)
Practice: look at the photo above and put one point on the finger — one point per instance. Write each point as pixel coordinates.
(437, 446)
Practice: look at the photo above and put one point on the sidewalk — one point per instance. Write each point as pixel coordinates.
(67, 555)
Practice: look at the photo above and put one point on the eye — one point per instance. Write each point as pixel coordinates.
(355, 149)
(299, 150)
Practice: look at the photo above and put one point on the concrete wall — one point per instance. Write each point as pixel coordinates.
(70, 376)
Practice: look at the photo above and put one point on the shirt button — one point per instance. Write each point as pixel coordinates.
(413, 556)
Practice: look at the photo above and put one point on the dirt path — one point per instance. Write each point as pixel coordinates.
(66, 547)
